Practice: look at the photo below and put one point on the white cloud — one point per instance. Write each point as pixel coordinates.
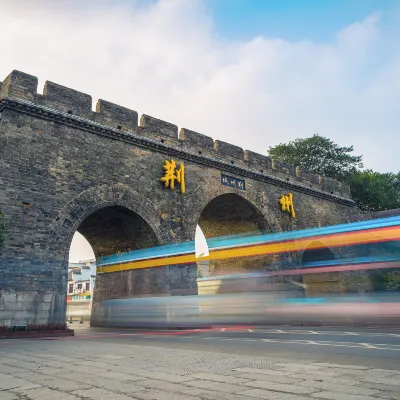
(166, 59)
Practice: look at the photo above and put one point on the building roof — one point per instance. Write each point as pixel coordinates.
(83, 271)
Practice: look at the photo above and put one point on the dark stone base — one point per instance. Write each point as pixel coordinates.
(36, 334)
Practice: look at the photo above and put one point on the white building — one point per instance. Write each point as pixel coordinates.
(81, 283)
(81, 278)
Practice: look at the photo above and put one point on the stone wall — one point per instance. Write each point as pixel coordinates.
(64, 167)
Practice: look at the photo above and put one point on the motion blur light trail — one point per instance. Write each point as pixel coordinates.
(333, 289)
(360, 233)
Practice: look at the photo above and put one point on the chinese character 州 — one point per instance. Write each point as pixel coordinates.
(287, 205)
(171, 174)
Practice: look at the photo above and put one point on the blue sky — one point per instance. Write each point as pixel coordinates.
(316, 20)
(253, 73)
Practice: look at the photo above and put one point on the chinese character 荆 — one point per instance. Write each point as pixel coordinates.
(287, 205)
(171, 174)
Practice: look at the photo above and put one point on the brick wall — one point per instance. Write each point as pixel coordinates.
(65, 168)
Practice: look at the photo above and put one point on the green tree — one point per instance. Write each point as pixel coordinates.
(374, 191)
(319, 155)
(391, 280)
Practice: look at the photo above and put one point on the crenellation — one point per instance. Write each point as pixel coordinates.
(24, 86)
(330, 185)
(235, 153)
(344, 189)
(67, 100)
(192, 138)
(284, 168)
(306, 176)
(116, 116)
(158, 126)
(20, 85)
(257, 161)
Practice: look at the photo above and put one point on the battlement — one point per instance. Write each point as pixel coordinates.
(22, 86)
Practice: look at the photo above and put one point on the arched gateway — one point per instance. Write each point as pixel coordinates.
(65, 168)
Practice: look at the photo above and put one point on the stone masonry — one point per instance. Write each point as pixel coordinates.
(65, 168)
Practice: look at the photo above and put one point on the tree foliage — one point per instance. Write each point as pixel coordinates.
(319, 155)
(391, 280)
(372, 191)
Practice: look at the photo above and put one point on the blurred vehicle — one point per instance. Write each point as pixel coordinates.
(333, 275)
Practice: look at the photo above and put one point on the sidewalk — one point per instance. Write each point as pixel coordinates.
(73, 369)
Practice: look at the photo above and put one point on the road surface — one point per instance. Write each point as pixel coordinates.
(232, 363)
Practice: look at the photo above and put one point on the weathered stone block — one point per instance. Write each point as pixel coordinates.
(67, 100)
(330, 185)
(20, 85)
(116, 116)
(158, 126)
(284, 168)
(229, 150)
(194, 139)
(257, 161)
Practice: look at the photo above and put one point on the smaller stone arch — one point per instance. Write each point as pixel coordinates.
(201, 197)
(320, 283)
(225, 211)
(317, 251)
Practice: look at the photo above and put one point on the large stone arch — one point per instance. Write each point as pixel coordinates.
(88, 202)
(201, 197)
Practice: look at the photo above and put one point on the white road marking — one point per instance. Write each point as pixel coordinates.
(369, 346)
(333, 333)
(250, 330)
(380, 346)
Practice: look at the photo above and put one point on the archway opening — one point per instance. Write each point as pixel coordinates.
(314, 254)
(116, 229)
(231, 214)
(316, 284)
(109, 230)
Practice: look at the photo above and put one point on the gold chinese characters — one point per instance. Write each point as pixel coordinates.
(287, 205)
(171, 174)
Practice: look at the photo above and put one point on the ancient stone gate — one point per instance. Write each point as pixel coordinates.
(65, 168)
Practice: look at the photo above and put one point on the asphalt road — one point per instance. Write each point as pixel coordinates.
(373, 347)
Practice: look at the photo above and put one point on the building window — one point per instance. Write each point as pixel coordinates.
(79, 286)
(71, 288)
(87, 286)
